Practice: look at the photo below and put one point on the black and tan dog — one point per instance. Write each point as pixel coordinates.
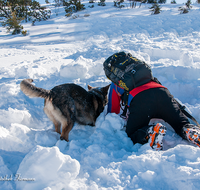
(69, 103)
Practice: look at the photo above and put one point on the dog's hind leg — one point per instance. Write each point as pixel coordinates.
(57, 125)
(66, 128)
(50, 112)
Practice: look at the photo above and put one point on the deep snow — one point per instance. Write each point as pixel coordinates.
(63, 50)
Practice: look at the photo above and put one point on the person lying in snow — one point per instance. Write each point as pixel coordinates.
(147, 101)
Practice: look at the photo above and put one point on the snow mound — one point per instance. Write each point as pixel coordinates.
(46, 168)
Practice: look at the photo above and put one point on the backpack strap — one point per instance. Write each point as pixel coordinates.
(125, 99)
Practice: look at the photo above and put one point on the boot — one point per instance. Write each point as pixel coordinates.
(156, 134)
(192, 134)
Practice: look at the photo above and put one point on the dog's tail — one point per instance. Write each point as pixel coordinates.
(32, 91)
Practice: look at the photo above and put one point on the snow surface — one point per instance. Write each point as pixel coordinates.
(63, 50)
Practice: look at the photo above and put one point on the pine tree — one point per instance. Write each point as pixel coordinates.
(162, 1)
(173, 2)
(183, 10)
(188, 4)
(155, 8)
(186, 9)
(73, 6)
(37, 13)
(151, 1)
(118, 3)
(102, 3)
(13, 22)
(27, 9)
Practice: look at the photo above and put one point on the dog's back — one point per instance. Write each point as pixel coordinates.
(74, 100)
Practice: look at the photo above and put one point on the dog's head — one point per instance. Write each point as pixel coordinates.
(101, 97)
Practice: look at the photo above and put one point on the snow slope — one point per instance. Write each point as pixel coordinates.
(63, 50)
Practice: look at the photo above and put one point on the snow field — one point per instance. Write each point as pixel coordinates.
(63, 50)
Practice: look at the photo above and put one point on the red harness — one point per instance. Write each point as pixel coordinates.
(146, 86)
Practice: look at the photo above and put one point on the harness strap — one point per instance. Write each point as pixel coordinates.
(123, 115)
(136, 91)
(146, 86)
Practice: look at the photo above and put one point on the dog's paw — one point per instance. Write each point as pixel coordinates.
(62, 138)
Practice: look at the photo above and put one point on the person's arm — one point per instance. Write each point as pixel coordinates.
(114, 98)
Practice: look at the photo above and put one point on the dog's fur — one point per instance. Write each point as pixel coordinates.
(69, 103)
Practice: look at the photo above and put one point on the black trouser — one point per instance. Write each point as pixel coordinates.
(153, 103)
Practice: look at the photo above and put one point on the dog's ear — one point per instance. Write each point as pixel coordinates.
(89, 87)
(105, 89)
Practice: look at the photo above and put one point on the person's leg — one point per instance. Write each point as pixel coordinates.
(141, 111)
(169, 111)
(158, 103)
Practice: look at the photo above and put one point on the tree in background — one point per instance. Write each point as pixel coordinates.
(162, 1)
(72, 6)
(156, 1)
(155, 8)
(187, 7)
(13, 22)
(102, 3)
(14, 11)
(151, 1)
(133, 3)
(188, 4)
(37, 13)
(118, 3)
(173, 2)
